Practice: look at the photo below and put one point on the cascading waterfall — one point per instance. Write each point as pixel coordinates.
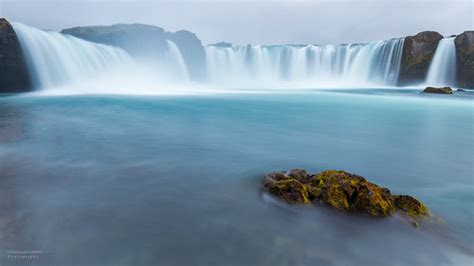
(56, 59)
(375, 63)
(174, 59)
(442, 71)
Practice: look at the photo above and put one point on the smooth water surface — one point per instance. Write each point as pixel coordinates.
(128, 180)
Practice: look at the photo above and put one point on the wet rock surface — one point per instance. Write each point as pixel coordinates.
(418, 52)
(14, 75)
(343, 191)
(465, 59)
(439, 90)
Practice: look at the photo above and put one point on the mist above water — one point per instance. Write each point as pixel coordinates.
(63, 64)
(66, 64)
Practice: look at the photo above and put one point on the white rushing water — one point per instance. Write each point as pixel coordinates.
(56, 59)
(375, 63)
(175, 60)
(442, 71)
(61, 63)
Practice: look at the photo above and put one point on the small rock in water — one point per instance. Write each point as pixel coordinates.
(440, 90)
(343, 191)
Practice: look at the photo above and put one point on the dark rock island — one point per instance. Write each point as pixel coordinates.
(440, 90)
(343, 191)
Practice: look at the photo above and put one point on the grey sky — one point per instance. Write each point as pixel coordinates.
(258, 22)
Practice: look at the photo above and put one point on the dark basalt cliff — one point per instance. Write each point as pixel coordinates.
(465, 59)
(418, 51)
(147, 42)
(14, 76)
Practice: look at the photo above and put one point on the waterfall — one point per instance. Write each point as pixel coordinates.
(375, 63)
(174, 59)
(442, 71)
(57, 59)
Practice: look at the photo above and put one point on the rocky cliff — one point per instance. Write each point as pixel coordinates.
(192, 51)
(418, 51)
(14, 76)
(465, 59)
(147, 42)
(139, 40)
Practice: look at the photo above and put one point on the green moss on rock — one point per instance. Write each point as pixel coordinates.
(343, 191)
(290, 190)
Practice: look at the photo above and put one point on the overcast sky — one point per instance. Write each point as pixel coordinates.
(258, 21)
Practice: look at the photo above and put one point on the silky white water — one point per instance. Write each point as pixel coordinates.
(375, 63)
(442, 71)
(174, 59)
(56, 59)
(60, 63)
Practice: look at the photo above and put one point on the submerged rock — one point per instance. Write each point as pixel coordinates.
(14, 75)
(343, 191)
(440, 90)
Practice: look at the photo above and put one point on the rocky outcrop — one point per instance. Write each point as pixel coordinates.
(439, 90)
(192, 51)
(343, 191)
(418, 52)
(465, 59)
(148, 43)
(14, 75)
(221, 44)
(139, 40)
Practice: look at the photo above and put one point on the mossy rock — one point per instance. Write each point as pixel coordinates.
(290, 190)
(439, 90)
(343, 191)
